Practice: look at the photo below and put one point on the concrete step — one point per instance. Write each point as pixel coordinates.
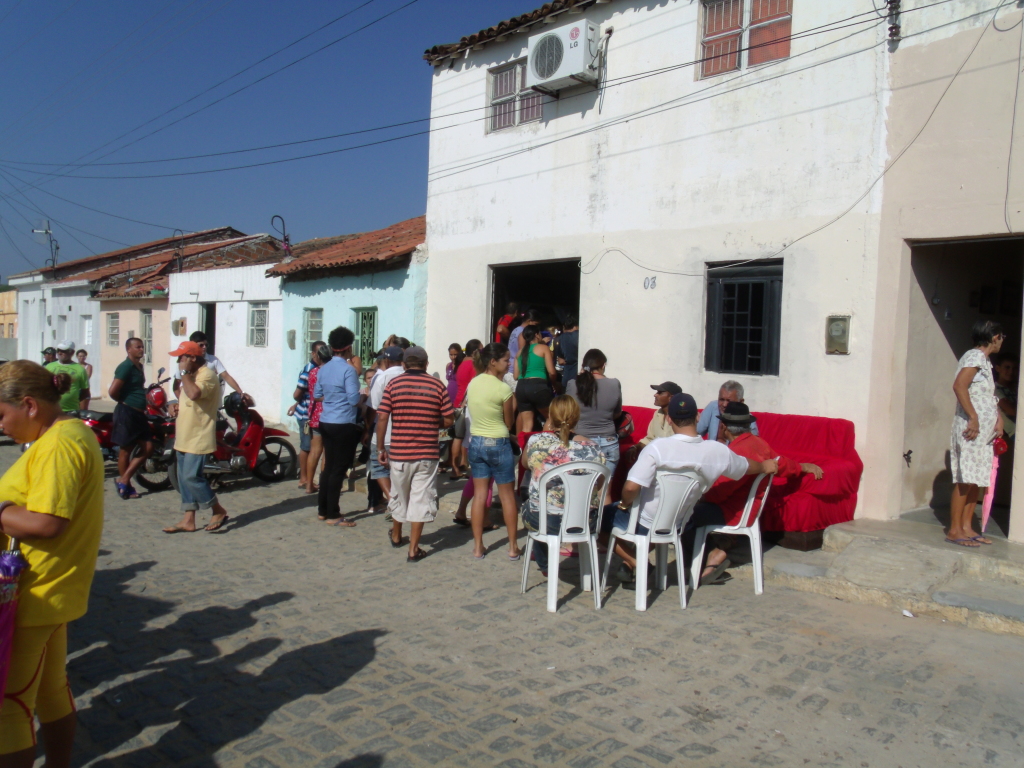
(903, 565)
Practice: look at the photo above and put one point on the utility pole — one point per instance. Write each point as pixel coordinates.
(54, 245)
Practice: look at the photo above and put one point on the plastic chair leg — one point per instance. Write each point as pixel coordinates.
(553, 562)
(642, 563)
(526, 561)
(757, 556)
(595, 570)
(698, 557)
(608, 562)
(681, 572)
(586, 569)
(661, 566)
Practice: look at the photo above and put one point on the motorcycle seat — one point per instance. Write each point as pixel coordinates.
(95, 415)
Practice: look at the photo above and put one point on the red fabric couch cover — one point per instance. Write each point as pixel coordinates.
(800, 503)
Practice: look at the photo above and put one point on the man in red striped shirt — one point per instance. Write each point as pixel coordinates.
(417, 407)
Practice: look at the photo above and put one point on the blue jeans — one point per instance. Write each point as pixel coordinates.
(492, 457)
(377, 470)
(609, 449)
(192, 483)
(305, 435)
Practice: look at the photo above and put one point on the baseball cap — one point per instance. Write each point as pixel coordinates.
(394, 354)
(49, 351)
(66, 346)
(667, 386)
(415, 355)
(187, 348)
(737, 413)
(682, 406)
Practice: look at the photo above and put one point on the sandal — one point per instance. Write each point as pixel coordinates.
(216, 526)
(981, 539)
(463, 521)
(420, 554)
(341, 522)
(963, 543)
(401, 543)
(132, 493)
(515, 558)
(716, 574)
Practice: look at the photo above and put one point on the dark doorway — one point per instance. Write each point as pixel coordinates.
(550, 287)
(208, 325)
(955, 284)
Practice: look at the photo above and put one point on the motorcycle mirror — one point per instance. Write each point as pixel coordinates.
(160, 372)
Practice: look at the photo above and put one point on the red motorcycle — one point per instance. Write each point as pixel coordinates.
(250, 448)
(152, 475)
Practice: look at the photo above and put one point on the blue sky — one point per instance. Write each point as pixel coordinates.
(79, 73)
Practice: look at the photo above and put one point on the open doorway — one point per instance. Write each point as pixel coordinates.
(550, 287)
(955, 284)
(208, 325)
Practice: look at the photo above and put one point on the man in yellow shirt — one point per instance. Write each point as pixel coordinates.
(195, 436)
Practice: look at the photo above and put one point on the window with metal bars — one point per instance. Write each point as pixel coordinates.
(113, 329)
(510, 101)
(744, 33)
(313, 326)
(366, 332)
(146, 332)
(744, 315)
(259, 319)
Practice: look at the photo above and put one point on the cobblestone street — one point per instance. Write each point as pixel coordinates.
(280, 641)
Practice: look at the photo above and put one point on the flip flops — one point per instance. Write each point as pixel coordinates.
(178, 529)
(216, 526)
(125, 490)
(464, 522)
(963, 543)
(715, 577)
(982, 540)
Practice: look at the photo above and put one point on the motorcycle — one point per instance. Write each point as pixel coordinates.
(250, 448)
(152, 475)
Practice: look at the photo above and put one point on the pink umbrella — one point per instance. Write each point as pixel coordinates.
(11, 566)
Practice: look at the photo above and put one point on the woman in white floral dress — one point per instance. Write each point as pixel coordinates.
(976, 424)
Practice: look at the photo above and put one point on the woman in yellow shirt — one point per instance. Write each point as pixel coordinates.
(51, 500)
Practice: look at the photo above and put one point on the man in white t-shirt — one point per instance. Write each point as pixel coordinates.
(685, 450)
(390, 367)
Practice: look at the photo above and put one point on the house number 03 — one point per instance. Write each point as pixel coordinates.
(650, 283)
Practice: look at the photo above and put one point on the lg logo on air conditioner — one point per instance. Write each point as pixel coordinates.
(574, 36)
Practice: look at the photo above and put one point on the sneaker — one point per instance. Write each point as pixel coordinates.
(387, 517)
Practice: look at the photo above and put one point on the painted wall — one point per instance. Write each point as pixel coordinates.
(129, 312)
(738, 167)
(398, 294)
(41, 308)
(9, 314)
(951, 183)
(256, 369)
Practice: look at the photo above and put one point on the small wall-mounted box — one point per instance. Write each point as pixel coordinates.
(837, 335)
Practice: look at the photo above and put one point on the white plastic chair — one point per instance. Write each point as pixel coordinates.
(580, 480)
(678, 492)
(748, 525)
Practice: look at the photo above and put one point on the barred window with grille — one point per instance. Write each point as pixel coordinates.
(146, 332)
(512, 103)
(113, 329)
(744, 315)
(366, 332)
(744, 33)
(259, 318)
(313, 326)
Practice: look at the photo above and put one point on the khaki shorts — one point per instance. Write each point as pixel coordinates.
(413, 491)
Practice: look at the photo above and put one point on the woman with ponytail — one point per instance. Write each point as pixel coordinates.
(534, 372)
(557, 444)
(51, 501)
(600, 401)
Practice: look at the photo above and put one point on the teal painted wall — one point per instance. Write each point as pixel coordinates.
(399, 295)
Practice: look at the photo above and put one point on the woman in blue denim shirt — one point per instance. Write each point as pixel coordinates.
(600, 400)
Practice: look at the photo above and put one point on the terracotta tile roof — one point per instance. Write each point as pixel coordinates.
(69, 268)
(379, 247)
(319, 243)
(520, 23)
(152, 272)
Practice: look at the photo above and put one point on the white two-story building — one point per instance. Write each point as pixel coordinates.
(808, 196)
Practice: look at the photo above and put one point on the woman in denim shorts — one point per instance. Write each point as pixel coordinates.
(492, 411)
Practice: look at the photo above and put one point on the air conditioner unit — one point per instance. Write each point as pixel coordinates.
(563, 57)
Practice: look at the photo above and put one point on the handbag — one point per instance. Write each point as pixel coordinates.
(624, 425)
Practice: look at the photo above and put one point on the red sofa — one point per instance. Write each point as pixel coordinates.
(800, 507)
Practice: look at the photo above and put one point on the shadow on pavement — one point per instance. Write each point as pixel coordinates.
(198, 699)
(241, 520)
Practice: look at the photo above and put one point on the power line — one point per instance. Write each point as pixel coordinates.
(39, 31)
(122, 65)
(11, 240)
(610, 83)
(327, 152)
(12, 10)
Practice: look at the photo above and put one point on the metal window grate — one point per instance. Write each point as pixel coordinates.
(366, 332)
(762, 27)
(744, 313)
(259, 312)
(512, 103)
(146, 332)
